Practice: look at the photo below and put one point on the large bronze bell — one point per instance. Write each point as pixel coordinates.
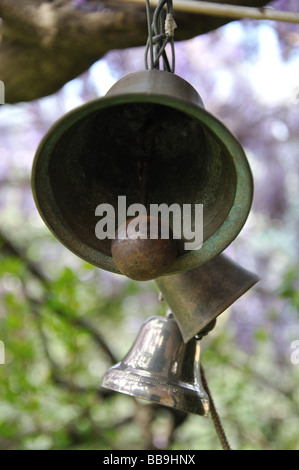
(161, 368)
(89, 157)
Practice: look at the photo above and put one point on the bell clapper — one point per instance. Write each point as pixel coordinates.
(135, 251)
(139, 257)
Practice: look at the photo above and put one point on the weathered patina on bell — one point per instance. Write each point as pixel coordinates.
(197, 297)
(90, 156)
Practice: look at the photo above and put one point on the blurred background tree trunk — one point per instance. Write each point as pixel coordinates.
(47, 43)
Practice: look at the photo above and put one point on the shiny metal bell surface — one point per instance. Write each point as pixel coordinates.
(161, 368)
(198, 296)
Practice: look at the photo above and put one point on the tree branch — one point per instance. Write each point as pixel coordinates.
(10, 249)
(228, 11)
(47, 43)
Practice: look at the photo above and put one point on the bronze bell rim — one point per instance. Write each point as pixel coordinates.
(193, 106)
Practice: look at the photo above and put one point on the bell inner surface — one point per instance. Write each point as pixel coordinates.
(96, 160)
(153, 119)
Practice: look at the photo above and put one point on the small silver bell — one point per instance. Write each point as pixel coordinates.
(161, 368)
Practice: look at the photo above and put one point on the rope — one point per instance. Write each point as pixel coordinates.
(215, 417)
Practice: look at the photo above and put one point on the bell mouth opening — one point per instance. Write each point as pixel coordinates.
(157, 390)
(97, 161)
(91, 157)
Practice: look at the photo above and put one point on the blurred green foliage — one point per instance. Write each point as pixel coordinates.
(63, 323)
(61, 336)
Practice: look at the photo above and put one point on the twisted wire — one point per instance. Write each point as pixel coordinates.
(160, 34)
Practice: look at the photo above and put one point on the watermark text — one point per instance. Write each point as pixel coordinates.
(2, 353)
(2, 93)
(183, 219)
(295, 354)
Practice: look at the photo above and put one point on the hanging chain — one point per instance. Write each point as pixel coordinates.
(160, 34)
